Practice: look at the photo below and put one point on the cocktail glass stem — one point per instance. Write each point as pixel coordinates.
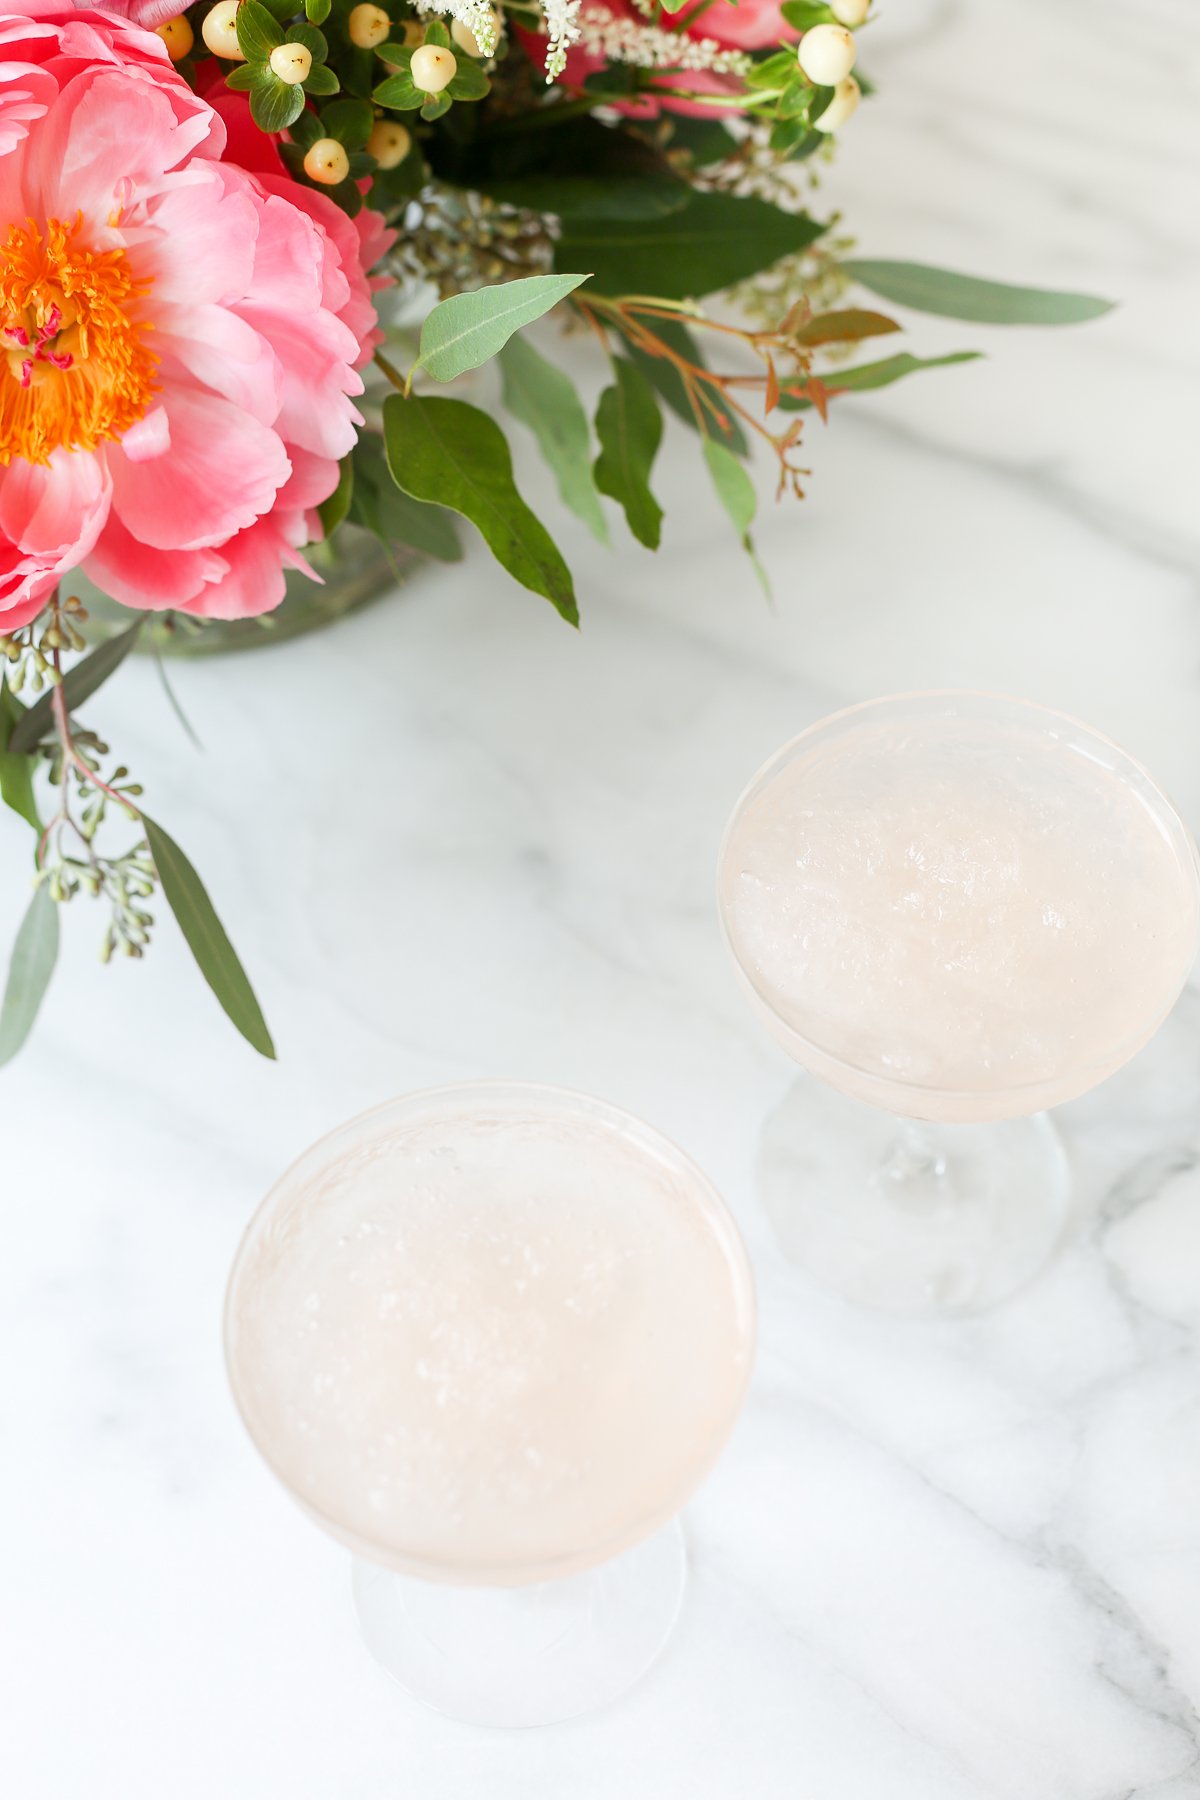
(525, 1655)
(910, 1216)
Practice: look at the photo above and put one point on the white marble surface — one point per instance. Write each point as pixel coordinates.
(954, 1562)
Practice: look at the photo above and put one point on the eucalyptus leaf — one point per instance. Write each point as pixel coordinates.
(735, 491)
(868, 376)
(206, 938)
(539, 394)
(665, 378)
(847, 325)
(629, 427)
(332, 511)
(452, 454)
(78, 685)
(34, 956)
(467, 329)
(713, 241)
(16, 772)
(954, 296)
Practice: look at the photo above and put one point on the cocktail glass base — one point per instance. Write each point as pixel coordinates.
(910, 1217)
(525, 1655)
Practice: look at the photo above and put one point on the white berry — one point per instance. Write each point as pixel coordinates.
(326, 161)
(219, 31)
(368, 26)
(292, 63)
(827, 54)
(846, 96)
(389, 143)
(433, 68)
(850, 12)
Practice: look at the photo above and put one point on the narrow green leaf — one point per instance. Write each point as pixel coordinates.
(82, 682)
(34, 956)
(258, 32)
(868, 376)
(543, 398)
(16, 772)
(713, 241)
(846, 326)
(215, 956)
(629, 427)
(464, 331)
(954, 296)
(603, 196)
(735, 491)
(452, 454)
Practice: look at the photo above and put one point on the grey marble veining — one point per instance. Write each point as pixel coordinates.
(949, 1562)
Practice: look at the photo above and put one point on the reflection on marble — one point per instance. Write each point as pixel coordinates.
(950, 1562)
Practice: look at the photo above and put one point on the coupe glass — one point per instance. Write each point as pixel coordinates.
(491, 1337)
(957, 909)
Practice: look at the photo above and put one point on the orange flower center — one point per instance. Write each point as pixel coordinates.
(74, 369)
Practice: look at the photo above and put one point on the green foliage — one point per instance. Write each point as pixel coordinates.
(331, 512)
(542, 397)
(469, 329)
(665, 378)
(712, 242)
(454, 455)
(206, 938)
(349, 121)
(629, 428)
(954, 296)
(877, 375)
(34, 956)
(735, 491)
(16, 771)
(274, 104)
(81, 682)
(396, 519)
(802, 15)
(258, 32)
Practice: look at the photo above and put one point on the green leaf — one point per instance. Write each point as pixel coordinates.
(82, 682)
(847, 325)
(258, 33)
(321, 80)
(242, 78)
(454, 455)
(400, 93)
(16, 772)
(314, 41)
(317, 11)
(468, 81)
(34, 956)
(705, 140)
(543, 398)
(663, 376)
(954, 296)
(735, 491)
(629, 427)
(802, 15)
(331, 512)
(349, 121)
(436, 33)
(573, 197)
(712, 242)
(275, 104)
(378, 505)
(468, 329)
(877, 375)
(215, 956)
(304, 133)
(434, 105)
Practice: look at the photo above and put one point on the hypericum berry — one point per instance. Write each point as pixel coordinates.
(326, 161)
(178, 36)
(292, 63)
(850, 12)
(432, 68)
(219, 31)
(389, 143)
(846, 96)
(827, 54)
(466, 40)
(368, 26)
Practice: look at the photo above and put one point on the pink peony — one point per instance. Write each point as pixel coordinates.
(180, 335)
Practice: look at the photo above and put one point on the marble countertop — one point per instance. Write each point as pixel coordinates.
(452, 838)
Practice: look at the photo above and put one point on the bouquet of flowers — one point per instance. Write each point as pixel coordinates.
(211, 222)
